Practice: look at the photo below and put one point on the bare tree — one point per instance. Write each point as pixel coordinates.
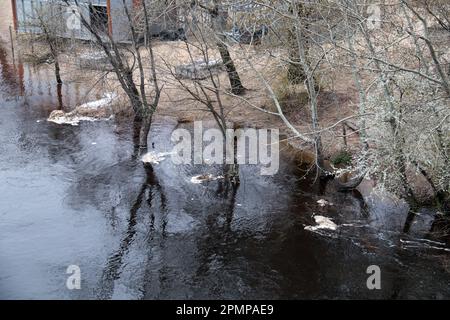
(44, 44)
(400, 79)
(397, 71)
(408, 95)
(203, 85)
(218, 15)
(125, 66)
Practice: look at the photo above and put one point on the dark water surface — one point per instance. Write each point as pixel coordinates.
(76, 196)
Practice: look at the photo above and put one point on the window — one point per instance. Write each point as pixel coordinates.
(99, 18)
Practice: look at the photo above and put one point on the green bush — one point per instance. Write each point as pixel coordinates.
(343, 157)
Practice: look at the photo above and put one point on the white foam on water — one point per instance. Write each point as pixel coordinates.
(72, 118)
(322, 223)
(73, 121)
(155, 158)
(323, 203)
(204, 178)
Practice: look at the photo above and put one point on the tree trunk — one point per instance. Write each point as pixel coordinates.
(137, 121)
(232, 170)
(235, 81)
(59, 94)
(57, 70)
(219, 23)
(295, 73)
(143, 134)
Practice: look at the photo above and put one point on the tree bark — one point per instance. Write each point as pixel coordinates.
(59, 94)
(143, 135)
(218, 24)
(235, 81)
(295, 72)
(57, 69)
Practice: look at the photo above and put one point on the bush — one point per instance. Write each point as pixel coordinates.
(343, 157)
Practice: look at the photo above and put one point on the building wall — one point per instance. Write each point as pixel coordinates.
(60, 16)
(120, 24)
(6, 20)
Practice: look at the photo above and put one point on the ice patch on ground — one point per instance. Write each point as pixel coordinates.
(107, 99)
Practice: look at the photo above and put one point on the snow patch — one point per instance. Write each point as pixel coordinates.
(107, 99)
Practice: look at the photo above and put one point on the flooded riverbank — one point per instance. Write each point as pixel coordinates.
(79, 196)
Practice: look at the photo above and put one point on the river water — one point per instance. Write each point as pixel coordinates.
(78, 196)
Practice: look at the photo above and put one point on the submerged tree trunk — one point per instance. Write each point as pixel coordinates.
(136, 135)
(57, 70)
(232, 170)
(136, 93)
(59, 94)
(144, 131)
